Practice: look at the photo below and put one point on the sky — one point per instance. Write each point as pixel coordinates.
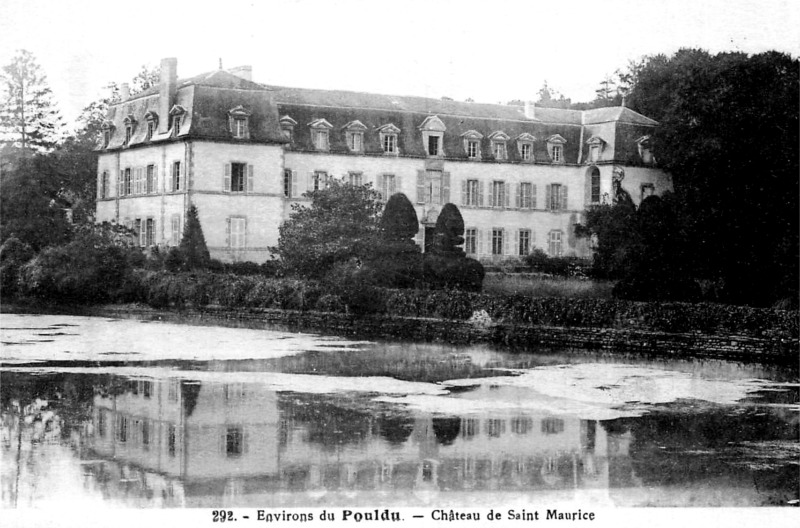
(492, 52)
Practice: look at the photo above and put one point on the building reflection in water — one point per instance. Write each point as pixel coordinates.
(176, 443)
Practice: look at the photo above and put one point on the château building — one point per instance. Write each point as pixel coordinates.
(244, 152)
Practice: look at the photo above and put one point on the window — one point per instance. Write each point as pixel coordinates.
(355, 179)
(556, 197)
(526, 196)
(471, 194)
(499, 196)
(240, 128)
(472, 149)
(234, 441)
(319, 180)
(122, 428)
(128, 134)
(555, 147)
(151, 179)
(554, 246)
(388, 137)
(287, 126)
(552, 426)
(287, 183)
(355, 141)
(499, 150)
(108, 129)
(320, 134)
(146, 433)
(521, 425)
(497, 241)
(175, 224)
(176, 125)
(238, 177)
(594, 186)
(471, 241)
(495, 427)
(138, 181)
(644, 145)
(151, 128)
(127, 185)
(150, 232)
(101, 423)
(172, 434)
(176, 177)
(526, 151)
(172, 391)
(594, 152)
(524, 242)
(238, 226)
(387, 186)
(139, 227)
(433, 145)
(104, 182)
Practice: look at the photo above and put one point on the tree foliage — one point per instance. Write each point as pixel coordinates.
(340, 225)
(396, 259)
(729, 136)
(29, 118)
(193, 250)
(446, 265)
(449, 232)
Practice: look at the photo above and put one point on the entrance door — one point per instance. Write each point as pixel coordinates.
(429, 231)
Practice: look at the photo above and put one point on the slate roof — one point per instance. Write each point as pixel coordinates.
(209, 97)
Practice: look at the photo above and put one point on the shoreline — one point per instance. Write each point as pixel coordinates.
(509, 336)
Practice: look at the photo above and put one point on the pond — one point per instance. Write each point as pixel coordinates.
(199, 413)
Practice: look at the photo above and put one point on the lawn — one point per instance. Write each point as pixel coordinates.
(538, 285)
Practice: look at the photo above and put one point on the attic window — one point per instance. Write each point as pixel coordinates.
(130, 126)
(645, 149)
(388, 136)
(596, 146)
(499, 145)
(320, 134)
(433, 136)
(176, 119)
(287, 127)
(108, 129)
(555, 147)
(472, 144)
(152, 122)
(239, 122)
(525, 146)
(354, 130)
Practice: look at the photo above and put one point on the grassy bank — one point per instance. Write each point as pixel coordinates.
(540, 285)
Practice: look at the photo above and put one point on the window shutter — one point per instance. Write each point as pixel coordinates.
(310, 182)
(490, 246)
(155, 236)
(120, 183)
(418, 237)
(155, 179)
(506, 243)
(564, 197)
(141, 226)
(420, 186)
(480, 194)
(294, 185)
(228, 231)
(533, 196)
(547, 191)
(226, 178)
(518, 196)
(587, 189)
(479, 242)
(516, 243)
(244, 233)
(246, 128)
(445, 187)
(249, 178)
(463, 192)
(393, 188)
(506, 195)
(230, 124)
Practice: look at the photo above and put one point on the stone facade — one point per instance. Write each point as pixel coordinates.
(245, 152)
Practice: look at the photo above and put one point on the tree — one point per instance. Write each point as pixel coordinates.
(449, 231)
(396, 259)
(193, 249)
(729, 136)
(29, 118)
(446, 265)
(340, 225)
(549, 98)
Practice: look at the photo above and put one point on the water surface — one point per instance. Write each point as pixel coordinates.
(180, 414)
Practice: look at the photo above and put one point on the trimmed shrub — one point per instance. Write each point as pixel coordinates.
(449, 232)
(452, 272)
(193, 243)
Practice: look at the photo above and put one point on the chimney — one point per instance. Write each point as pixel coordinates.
(125, 91)
(168, 84)
(530, 110)
(245, 72)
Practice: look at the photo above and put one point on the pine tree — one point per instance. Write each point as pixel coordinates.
(193, 244)
(29, 118)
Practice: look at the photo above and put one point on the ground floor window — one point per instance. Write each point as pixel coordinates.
(554, 244)
(234, 440)
(176, 229)
(497, 241)
(150, 232)
(471, 241)
(238, 226)
(524, 242)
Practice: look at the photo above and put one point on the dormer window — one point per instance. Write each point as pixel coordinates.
(644, 146)
(287, 126)
(239, 122)
(472, 144)
(320, 134)
(108, 128)
(525, 146)
(130, 125)
(433, 136)
(354, 130)
(596, 145)
(499, 150)
(555, 147)
(152, 122)
(388, 136)
(176, 119)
